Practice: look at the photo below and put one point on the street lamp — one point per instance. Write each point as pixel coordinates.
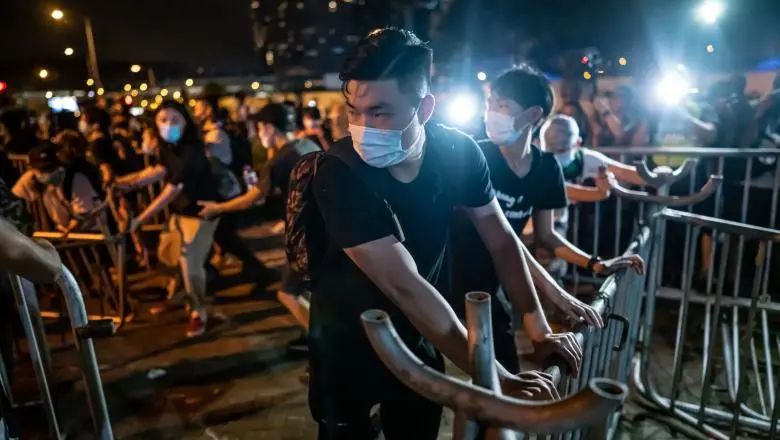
(92, 64)
(68, 51)
(43, 73)
(710, 11)
(135, 68)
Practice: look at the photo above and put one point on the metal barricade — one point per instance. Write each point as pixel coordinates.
(485, 404)
(83, 333)
(731, 389)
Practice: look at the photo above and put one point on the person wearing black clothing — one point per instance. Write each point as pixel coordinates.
(275, 127)
(314, 129)
(188, 177)
(387, 254)
(528, 185)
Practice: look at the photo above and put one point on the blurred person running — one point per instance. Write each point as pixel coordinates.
(275, 127)
(188, 177)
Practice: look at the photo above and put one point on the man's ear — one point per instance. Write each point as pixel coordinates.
(535, 114)
(578, 142)
(427, 106)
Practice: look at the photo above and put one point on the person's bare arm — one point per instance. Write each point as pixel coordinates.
(704, 132)
(511, 265)
(147, 176)
(549, 238)
(240, 203)
(623, 172)
(392, 269)
(585, 194)
(35, 261)
(167, 195)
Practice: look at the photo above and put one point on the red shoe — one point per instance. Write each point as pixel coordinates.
(196, 326)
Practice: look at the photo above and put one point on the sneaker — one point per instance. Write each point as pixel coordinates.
(196, 327)
(300, 345)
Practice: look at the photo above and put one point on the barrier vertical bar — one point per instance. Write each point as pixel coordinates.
(89, 366)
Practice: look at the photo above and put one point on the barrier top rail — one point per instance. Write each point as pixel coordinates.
(659, 181)
(748, 231)
(691, 151)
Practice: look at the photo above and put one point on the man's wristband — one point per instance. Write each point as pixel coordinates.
(592, 263)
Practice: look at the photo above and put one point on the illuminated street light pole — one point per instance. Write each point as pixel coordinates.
(92, 64)
(710, 11)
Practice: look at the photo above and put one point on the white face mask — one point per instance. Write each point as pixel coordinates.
(500, 128)
(383, 148)
(565, 158)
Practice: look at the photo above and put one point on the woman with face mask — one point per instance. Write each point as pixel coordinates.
(188, 177)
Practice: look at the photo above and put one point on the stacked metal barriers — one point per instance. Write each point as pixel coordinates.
(591, 409)
(83, 333)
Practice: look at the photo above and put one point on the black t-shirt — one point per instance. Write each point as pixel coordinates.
(278, 169)
(454, 172)
(188, 165)
(541, 189)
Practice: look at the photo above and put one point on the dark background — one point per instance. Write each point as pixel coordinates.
(186, 38)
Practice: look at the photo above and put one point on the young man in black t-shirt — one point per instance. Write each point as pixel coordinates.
(378, 259)
(529, 186)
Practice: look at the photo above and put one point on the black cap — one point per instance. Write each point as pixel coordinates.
(44, 157)
(281, 116)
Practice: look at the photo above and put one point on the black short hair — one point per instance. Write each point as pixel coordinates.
(391, 53)
(526, 86)
(212, 101)
(312, 113)
(281, 116)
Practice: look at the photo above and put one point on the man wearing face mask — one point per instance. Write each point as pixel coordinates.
(384, 199)
(313, 128)
(580, 165)
(528, 185)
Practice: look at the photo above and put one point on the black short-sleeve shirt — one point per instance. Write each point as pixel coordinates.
(542, 189)
(453, 173)
(189, 166)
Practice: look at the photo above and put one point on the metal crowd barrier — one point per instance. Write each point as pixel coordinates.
(83, 333)
(98, 260)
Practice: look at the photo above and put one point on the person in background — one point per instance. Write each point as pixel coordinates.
(69, 191)
(313, 128)
(188, 178)
(560, 137)
(571, 94)
(337, 116)
(274, 124)
(216, 139)
(621, 120)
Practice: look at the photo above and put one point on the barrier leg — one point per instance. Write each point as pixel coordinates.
(35, 355)
(86, 349)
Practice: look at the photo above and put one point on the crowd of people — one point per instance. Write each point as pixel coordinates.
(383, 209)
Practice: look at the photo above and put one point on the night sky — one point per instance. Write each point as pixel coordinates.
(178, 36)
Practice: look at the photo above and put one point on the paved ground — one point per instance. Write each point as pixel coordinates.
(238, 382)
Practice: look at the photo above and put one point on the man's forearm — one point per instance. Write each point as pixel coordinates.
(541, 278)
(242, 202)
(564, 249)
(21, 256)
(430, 314)
(514, 267)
